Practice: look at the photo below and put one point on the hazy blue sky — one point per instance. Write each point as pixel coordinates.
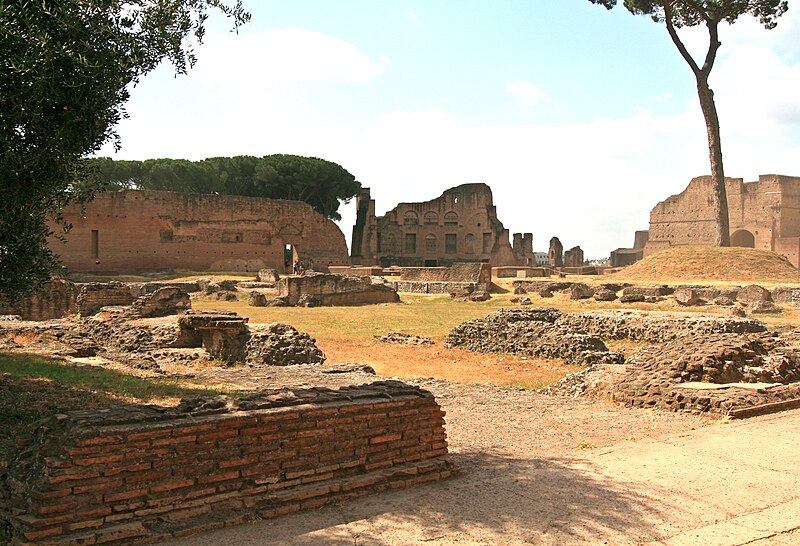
(580, 119)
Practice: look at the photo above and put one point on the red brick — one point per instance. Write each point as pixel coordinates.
(151, 475)
(113, 471)
(102, 459)
(211, 436)
(73, 476)
(172, 440)
(125, 495)
(43, 533)
(218, 477)
(239, 462)
(98, 440)
(99, 486)
(171, 486)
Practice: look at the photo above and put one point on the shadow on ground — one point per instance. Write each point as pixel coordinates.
(497, 500)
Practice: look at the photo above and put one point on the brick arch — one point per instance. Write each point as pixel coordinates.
(743, 238)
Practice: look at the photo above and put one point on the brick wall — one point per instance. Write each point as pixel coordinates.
(144, 473)
(56, 299)
(133, 231)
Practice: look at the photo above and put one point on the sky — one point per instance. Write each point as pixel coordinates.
(579, 119)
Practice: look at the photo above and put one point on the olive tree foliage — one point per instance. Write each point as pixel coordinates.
(675, 14)
(66, 71)
(320, 183)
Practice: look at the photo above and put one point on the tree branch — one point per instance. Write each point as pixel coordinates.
(676, 39)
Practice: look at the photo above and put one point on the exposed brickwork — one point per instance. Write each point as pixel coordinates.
(95, 295)
(761, 214)
(57, 299)
(329, 289)
(460, 225)
(156, 230)
(143, 473)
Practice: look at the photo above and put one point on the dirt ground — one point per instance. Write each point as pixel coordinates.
(554, 470)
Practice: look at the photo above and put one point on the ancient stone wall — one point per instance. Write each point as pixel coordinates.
(135, 231)
(460, 225)
(328, 289)
(144, 474)
(57, 299)
(479, 273)
(762, 215)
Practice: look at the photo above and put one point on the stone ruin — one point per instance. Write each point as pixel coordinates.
(530, 332)
(573, 257)
(145, 474)
(555, 254)
(724, 365)
(314, 289)
(459, 278)
(131, 335)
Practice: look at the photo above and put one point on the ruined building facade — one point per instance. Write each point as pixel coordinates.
(140, 231)
(459, 226)
(764, 214)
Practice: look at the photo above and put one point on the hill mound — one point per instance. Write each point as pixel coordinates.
(693, 264)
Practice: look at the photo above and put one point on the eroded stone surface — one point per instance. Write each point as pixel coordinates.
(532, 332)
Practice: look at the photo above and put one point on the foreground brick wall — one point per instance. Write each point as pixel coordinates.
(144, 473)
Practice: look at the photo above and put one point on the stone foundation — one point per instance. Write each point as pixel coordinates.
(145, 473)
(328, 289)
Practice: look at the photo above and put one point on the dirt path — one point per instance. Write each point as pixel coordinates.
(546, 470)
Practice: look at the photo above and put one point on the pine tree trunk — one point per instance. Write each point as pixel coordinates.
(719, 196)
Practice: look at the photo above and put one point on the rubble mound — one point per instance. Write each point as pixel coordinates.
(733, 264)
(281, 345)
(654, 375)
(719, 373)
(404, 339)
(532, 332)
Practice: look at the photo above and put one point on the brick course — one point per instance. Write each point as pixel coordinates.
(143, 473)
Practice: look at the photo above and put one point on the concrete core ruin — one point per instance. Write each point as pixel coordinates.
(461, 225)
(762, 215)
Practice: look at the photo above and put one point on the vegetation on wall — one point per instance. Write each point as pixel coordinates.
(322, 184)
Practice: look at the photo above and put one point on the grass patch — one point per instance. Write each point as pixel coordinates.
(34, 387)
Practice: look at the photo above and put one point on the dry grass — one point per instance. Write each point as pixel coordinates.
(403, 361)
(711, 264)
(346, 334)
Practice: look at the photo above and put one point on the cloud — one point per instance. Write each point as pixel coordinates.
(526, 93)
(284, 55)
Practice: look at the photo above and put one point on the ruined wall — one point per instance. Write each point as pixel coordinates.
(328, 289)
(144, 474)
(56, 299)
(764, 214)
(133, 231)
(478, 273)
(460, 225)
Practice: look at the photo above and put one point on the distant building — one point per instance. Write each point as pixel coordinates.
(461, 225)
(622, 257)
(140, 231)
(540, 258)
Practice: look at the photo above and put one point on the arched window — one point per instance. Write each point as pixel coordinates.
(430, 243)
(743, 238)
(410, 218)
(431, 218)
(451, 219)
(469, 243)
